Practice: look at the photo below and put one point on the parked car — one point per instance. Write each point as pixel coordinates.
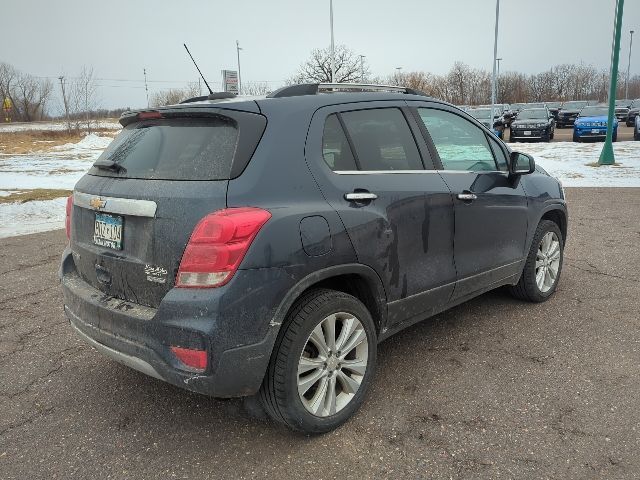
(264, 247)
(533, 124)
(622, 109)
(569, 112)
(483, 115)
(554, 108)
(592, 124)
(634, 109)
(636, 130)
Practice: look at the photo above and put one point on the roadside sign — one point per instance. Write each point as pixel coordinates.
(7, 106)
(230, 81)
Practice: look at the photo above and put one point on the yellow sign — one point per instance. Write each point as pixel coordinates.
(6, 105)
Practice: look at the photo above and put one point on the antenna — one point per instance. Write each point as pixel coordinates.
(194, 62)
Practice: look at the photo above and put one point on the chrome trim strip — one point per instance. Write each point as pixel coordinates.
(121, 206)
(378, 172)
(131, 362)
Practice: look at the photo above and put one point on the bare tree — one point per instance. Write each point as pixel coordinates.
(174, 95)
(349, 67)
(255, 88)
(31, 96)
(82, 97)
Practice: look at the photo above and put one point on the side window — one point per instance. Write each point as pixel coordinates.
(335, 147)
(499, 155)
(382, 139)
(460, 144)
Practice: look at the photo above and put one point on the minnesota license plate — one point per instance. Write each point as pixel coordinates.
(107, 231)
(528, 132)
(595, 131)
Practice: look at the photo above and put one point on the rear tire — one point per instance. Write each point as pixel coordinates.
(543, 266)
(576, 138)
(308, 386)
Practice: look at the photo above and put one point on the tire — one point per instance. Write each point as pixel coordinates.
(614, 138)
(309, 319)
(528, 287)
(576, 138)
(553, 134)
(636, 136)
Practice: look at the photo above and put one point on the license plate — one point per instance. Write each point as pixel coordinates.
(595, 131)
(107, 231)
(528, 132)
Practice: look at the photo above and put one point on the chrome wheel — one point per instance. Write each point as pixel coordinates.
(332, 364)
(548, 262)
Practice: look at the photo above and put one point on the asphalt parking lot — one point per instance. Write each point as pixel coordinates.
(566, 134)
(494, 388)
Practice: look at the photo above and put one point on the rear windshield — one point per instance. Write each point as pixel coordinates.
(172, 149)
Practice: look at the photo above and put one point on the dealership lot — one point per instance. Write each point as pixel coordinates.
(494, 388)
(565, 134)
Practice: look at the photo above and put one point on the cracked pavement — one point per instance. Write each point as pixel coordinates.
(494, 388)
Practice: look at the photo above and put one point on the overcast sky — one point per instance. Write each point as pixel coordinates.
(119, 38)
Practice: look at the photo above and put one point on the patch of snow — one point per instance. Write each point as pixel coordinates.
(21, 127)
(31, 217)
(572, 163)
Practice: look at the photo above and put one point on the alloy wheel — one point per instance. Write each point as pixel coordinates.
(548, 262)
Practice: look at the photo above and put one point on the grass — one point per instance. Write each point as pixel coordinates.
(29, 141)
(24, 196)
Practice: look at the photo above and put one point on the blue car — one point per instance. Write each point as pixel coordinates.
(592, 124)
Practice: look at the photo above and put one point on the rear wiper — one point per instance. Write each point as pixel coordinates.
(109, 165)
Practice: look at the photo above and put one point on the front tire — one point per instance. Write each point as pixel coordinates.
(543, 266)
(322, 364)
(576, 138)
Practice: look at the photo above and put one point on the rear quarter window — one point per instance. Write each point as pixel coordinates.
(173, 149)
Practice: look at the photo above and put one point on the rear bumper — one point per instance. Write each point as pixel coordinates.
(140, 337)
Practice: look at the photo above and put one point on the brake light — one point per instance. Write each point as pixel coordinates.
(149, 115)
(67, 220)
(194, 359)
(218, 245)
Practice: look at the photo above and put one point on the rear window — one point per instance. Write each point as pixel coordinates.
(173, 149)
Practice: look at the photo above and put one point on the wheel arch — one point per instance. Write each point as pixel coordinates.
(358, 280)
(558, 215)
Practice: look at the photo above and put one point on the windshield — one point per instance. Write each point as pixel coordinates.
(553, 105)
(574, 105)
(535, 105)
(172, 149)
(481, 113)
(623, 103)
(517, 106)
(594, 112)
(533, 114)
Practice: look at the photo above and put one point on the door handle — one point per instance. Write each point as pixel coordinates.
(467, 197)
(360, 196)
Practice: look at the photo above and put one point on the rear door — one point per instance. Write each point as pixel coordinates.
(133, 215)
(373, 167)
(491, 209)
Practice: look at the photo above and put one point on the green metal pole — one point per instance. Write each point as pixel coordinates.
(607, 156)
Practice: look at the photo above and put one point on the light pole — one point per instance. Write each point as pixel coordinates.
(498, 80)
(626, 85)
(333, 53)
(238, 48)
(362, 68)
(607, 156)
(495, 61)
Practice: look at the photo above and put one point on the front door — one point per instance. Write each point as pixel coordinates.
(371, 166)
(490, 206)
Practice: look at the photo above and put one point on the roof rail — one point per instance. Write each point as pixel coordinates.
(315, 88)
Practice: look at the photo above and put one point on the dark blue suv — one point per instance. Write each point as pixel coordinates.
(264, 247)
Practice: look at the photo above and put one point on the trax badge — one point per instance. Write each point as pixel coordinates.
(97, 203)
(155, 274)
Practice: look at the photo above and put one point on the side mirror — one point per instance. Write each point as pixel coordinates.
(521, 164)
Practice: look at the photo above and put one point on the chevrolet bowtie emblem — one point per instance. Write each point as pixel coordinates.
(97, 203)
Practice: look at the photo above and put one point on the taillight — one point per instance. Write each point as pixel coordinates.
(67, 220)
(149, 115)
(194, 359)
(218, 245)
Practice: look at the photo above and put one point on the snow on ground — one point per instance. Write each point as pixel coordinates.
(61, 167)
(58, 168)
(107, 124)
(573, 163)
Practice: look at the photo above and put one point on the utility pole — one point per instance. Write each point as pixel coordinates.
(333, 52)
(498, 80)
(626, 86)
(607, 156)
(495, 61)
(146, 88)
(238, 48)
(362, 68)
(64, 100)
